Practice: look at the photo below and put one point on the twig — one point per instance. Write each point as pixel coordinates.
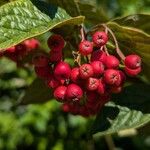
(82, 32)
(110, 142)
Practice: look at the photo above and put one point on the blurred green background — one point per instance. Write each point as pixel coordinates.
(45, 126)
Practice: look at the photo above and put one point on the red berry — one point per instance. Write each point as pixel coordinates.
(52, 82)
(98, 68)
(85, 47)
(98, 55)
(40, 60)
(75, 75)
(86, 71)
(21, 50)
(112, 77)
(66, 107)
(100, 38)
(92, 84)
(31, 44)
(132, 61)
(60, 93)
(43, 72)
(62, 71)
(116, 89)
(56, 42)
(74, 92)
(122, 76)
(91, 96)
(11, 49)
(55, 56)
(101, 87)
(132, 72)
(112, 62)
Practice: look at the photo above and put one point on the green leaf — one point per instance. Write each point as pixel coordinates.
(2, 2)
(132, 40)
(139, 21)
(135, 96)
(20, 20)
(114, 118)
(37, 92)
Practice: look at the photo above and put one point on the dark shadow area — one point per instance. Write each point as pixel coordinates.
(101, 122)
(136, 97)
(46, 8)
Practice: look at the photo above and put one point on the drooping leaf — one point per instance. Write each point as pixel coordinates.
(37, 92)
(132, 40)
(20, 20)
(114, 118)
(139, 21)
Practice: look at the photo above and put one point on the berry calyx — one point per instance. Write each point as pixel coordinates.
(100, 38)
(62, 71)
(56, 42)
(111, 76)
(85, 48)
(86, 71)
(74, 92)
(112, 62)
(132, 61)
(92, 84)
(60, 93)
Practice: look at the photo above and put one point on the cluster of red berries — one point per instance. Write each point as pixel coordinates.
(85, 88)
(18, 52)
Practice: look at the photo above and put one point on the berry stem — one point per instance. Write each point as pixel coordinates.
(82, 33)
(119, 52)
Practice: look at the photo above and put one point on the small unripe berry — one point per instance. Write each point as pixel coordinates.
(85, 47)
(66, 107)
(75, 75)
(132, 72)
(101, 87)
(132, 61)
(98, 55)
(116, 89)
(55, 56)
(112, 62)
(92, 84)
(100, 38)
(112, 77)
(62, 71)
(86, 71)
(56, 42)
(40, 60)
(60, 93)
(74, 92)
(98, 68)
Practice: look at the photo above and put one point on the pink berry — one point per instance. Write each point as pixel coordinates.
(60, 93)
(55, 56)
(11, 49)
(92, 84)
(85, 47)
(101, 87)
(100, 38)
(112, 62)
(40, 60)
(56, 42)
(132, 61)
(75, 75)
(98, 68)
(132, 72)
(112, 76)
(74, 92)
(98, 55)
(86, 71)
(62, 71)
